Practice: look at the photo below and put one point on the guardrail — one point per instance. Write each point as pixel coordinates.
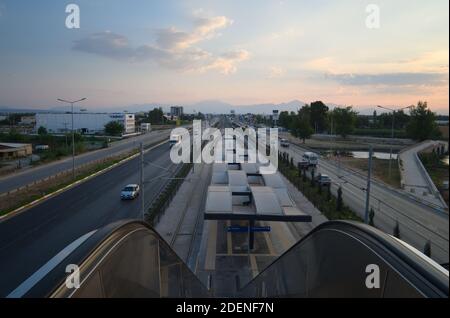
(69, 171)
(429, 181)
(435, 208)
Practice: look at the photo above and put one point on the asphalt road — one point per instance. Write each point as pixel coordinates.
(418, 223)
(30, 239)
(30, 175)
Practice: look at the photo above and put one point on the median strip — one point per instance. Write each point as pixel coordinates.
(27, 197)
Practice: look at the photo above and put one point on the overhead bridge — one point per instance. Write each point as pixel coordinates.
(336, 259)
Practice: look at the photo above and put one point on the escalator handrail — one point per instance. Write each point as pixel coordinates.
(428, 277)
(109, 235)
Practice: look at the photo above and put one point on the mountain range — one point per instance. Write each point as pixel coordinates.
(207, 107)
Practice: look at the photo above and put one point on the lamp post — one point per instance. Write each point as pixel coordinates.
(392, 132)
(73, 132)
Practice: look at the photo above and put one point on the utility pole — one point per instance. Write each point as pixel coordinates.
(142, 181)
(369, 177)
(73, 132)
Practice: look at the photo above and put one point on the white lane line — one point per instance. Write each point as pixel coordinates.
(55, 193)
(31, 281)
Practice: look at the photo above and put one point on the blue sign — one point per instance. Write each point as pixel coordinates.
(244, 229)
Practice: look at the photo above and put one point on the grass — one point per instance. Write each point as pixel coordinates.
(380, 169)
(438, 172)
(322, 199)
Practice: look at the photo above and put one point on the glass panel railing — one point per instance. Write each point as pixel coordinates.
(134, 262)
(338, 260)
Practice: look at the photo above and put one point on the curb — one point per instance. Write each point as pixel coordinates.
(72, 185)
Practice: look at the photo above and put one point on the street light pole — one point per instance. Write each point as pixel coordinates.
(369, 180)
(392, 134)
(142, 181)
(73, 131)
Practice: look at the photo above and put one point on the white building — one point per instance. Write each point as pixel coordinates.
(88, 123)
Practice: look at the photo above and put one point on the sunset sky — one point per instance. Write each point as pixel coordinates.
(240, 52)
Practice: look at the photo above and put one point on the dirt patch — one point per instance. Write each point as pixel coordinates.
(380, 169)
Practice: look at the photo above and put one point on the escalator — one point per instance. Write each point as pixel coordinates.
(129, 259)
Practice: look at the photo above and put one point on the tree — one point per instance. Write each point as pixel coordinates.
(114, 128)
(397, 230)
(42, 131)
(371, 217)
(302, 127)
(427, 249)
(318, 116)
(345, 120)
(156, 116)
(284, 120)
(339, 201)
(422, 124)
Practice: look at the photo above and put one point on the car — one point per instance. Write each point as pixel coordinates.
(284, 143)
(323, 180)
(130, 192)
(303, 164)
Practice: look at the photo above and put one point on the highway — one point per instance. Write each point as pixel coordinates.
(418, 223)
(28, 240)
(28, 176)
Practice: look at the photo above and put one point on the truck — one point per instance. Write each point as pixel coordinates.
(146, 127)
(175, 139)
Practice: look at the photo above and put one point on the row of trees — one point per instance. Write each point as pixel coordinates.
(156, 117)
(420, 124)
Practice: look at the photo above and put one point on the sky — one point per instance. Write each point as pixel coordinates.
(129, 52)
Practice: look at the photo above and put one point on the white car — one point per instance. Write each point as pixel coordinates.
(284, 143)
(130, 192)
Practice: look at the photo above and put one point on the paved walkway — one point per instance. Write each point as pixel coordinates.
(415, 179)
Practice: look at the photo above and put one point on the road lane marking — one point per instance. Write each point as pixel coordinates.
(37, 276)
(72, 185)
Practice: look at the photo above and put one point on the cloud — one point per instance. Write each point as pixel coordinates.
(391, 79)
(173, 49)
(227, 63)
(276, 72)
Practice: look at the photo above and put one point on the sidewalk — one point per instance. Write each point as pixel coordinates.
(415, 179)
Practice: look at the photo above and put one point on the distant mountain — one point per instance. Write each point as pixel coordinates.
(219, 107)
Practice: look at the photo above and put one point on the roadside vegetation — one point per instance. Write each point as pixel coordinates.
(317, 118)
(162, 202)
(10, 201)
(380, 168)
(437, 169)
(58, 147)
(333, 207)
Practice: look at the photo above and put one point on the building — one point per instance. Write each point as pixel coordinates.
(176, 111)
(9, 151)
(86, 123)
(27, 120)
